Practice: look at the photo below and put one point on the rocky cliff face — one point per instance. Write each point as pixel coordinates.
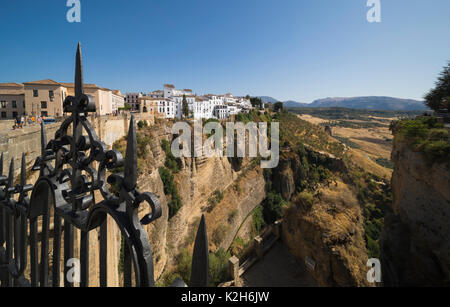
(242, 188)
(327, 229)
(330, 231)
(416, 240)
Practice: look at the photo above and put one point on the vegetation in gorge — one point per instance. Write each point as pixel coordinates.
(311, 170)
(385, 163)
(258, 220)
(215, 199)
(293, 129)
(375, 197)
(425, 134)
(219, 234)
(143, 140)
(218, 264)
(273, 207)
(170, 189)
(347, 142)
(142, 124)
(172, 163)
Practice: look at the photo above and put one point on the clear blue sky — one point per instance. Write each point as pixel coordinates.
(289, 49)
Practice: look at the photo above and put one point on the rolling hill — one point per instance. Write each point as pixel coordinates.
(362, 103)
(371, 103)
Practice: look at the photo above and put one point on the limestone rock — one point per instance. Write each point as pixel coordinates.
(416, 240)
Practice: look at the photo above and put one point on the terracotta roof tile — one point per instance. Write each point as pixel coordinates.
(11, 84)
(44, 82)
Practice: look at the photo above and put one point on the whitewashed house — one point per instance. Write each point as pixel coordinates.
(221, 112)
(169, 103)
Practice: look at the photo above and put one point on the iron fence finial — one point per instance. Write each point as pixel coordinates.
(130, 172)
(79, 73)
(73, 166)
(1, 165)
(11, 174)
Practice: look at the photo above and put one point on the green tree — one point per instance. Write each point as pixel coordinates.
(439, 97)
(273, 208)
(256, 102)
(170, 188)
(278, 106)
(218, 264)
(185, 107)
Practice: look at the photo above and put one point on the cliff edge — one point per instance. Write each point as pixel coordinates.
(416, 238)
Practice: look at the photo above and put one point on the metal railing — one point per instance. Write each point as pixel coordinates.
(72, 169)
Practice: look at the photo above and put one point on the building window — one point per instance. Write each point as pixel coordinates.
(3, 114)
(14, 114)
(14, 104)
(51, 94)
(35, 93)
(43, 104)
(3, 104)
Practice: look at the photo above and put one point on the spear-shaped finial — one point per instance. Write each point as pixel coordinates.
(130, 172)
(43, 140)
(79, 73)
(200, 258)
(11, 173)
(1, 165)
(23, 171)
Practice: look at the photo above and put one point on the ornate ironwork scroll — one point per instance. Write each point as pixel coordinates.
(72, 172)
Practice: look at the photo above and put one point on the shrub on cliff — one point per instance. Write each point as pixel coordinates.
(215, 199)
(218, 264)
(436, 150)
(305, 199)
(425, 134)
(143, 141)
(172, 163)
(171, 190)
(258, 221)
(273, 208)
(219, 234)
(375, 198)
(142, 124)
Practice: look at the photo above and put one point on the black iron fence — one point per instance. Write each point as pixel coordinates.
(72, 173)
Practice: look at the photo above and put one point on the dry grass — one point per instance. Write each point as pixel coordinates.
(312, 120)
(374, 143)
(363, 160)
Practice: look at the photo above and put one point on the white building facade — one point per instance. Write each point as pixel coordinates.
(169, 103)
(118, 101)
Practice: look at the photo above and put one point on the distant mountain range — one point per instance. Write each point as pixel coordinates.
(365, 103)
